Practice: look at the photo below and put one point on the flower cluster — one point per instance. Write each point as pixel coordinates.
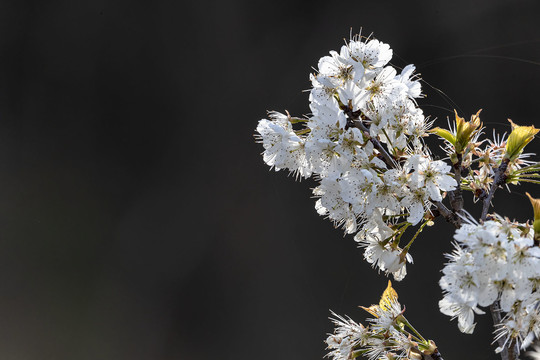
(494, 261)
(363, 141)
(478, 160)
(388, 335)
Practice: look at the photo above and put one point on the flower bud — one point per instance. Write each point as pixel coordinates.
(454, 158)
(518, 139)
(465, 130)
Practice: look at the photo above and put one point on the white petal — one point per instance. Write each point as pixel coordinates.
(416, 213)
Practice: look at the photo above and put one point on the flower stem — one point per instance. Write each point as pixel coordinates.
(406, 248)
(408, 324)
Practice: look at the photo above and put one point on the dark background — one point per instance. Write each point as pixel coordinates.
(137, 219)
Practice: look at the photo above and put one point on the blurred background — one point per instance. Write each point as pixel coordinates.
(137, 218)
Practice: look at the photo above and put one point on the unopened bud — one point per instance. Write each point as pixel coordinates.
(465, 131)
(518, 139)
(454, 158)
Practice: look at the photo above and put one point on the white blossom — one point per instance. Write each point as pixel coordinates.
(494, 261)
(359, 101)
(283, 148)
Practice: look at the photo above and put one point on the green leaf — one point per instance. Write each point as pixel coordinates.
(445, 134)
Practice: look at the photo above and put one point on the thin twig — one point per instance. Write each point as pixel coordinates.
(512, 350)
(448, 214)
(497, 180)
(456, 196)
(354, 119)
(388, 159)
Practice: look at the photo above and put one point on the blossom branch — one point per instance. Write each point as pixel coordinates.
(401, 340)
(448, 214)
(512, 351)
(495, 310)
(360, 125)
(507, 353)
(456, 196)
(364, 144)
(497, 181)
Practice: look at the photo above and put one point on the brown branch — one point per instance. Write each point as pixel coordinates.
(495, 310)
(448, 214)
(354, 118)
(512, 351)
(508, 351)
(497, 181)
(456, 196)
(387, 158)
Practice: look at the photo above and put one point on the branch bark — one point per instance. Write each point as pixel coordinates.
(508, 351)
(387, 158)
(448, 214)
(354, 120)
(497, 181)
(456, 196)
